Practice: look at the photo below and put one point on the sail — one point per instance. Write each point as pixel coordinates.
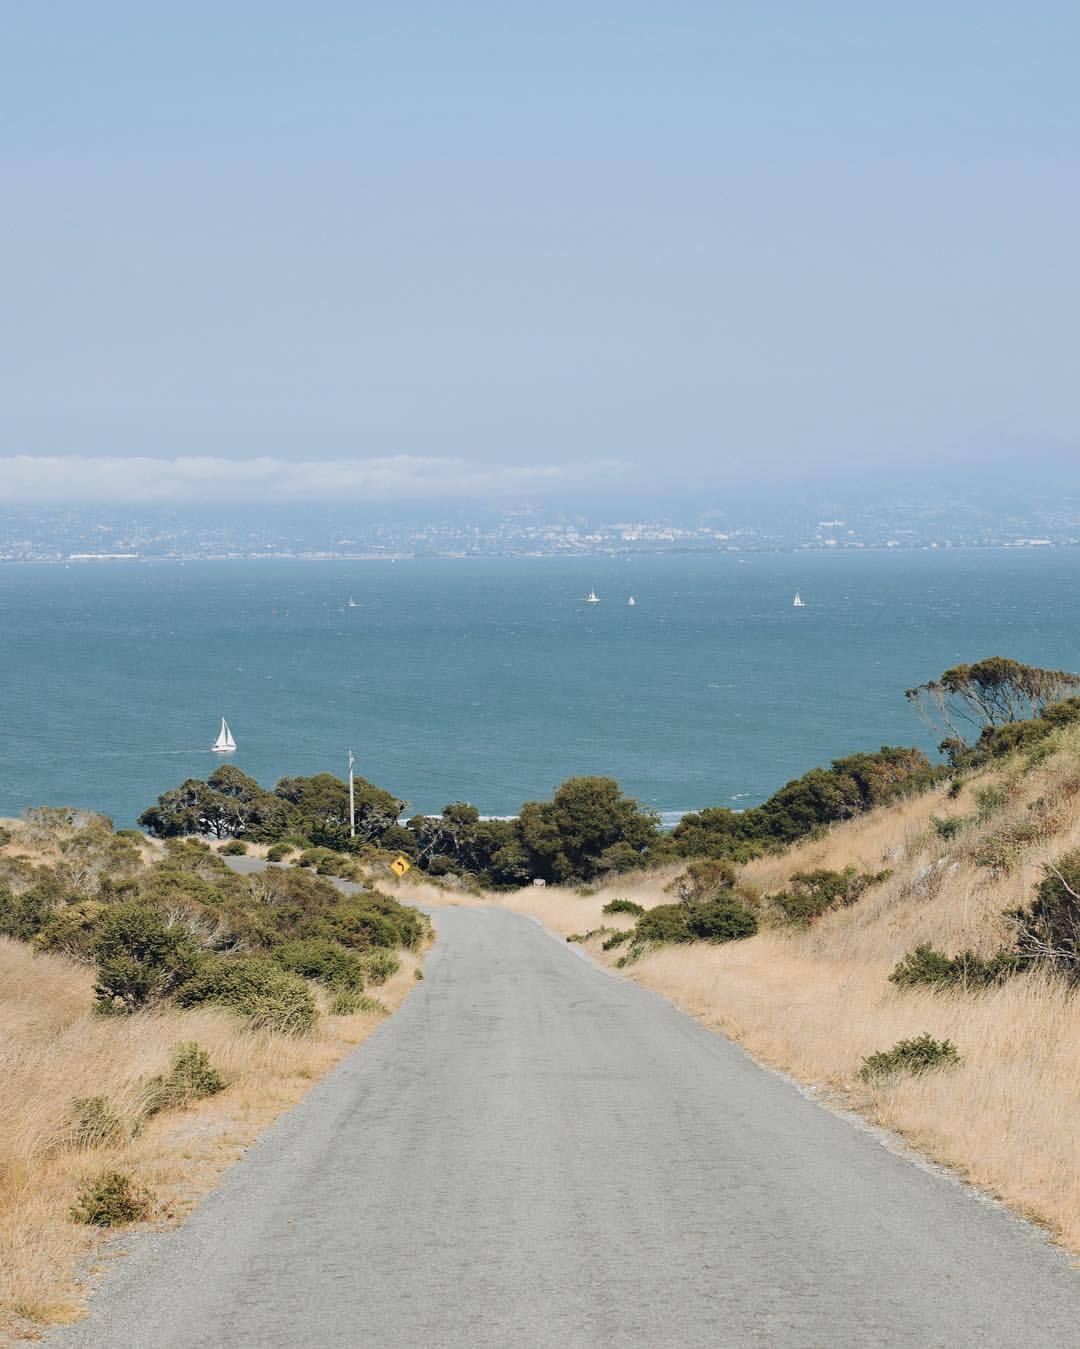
(225, 739)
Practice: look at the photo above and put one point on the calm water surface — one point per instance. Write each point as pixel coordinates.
(491, 681)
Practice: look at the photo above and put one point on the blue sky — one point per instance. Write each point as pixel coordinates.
(480, 249)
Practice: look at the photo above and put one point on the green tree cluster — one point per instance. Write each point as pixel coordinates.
(230, 804)
(848, 787)
(986, 696)
(589, 827)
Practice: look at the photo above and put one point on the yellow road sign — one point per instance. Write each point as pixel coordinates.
(400, 865)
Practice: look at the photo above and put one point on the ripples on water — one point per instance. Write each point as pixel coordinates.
(491, 680)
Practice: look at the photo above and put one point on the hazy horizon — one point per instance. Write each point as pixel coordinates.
(492, 255)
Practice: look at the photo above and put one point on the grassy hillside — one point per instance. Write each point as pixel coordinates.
(91, 1090)
(815, 999)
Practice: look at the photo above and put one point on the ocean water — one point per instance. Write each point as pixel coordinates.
(490, 680)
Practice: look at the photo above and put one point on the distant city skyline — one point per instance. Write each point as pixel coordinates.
(542, 528)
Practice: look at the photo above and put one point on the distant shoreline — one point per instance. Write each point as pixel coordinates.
(130, 559)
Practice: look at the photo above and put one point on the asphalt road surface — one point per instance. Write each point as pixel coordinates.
(533, 1153)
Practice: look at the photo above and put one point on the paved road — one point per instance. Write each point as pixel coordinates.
(534, 1153)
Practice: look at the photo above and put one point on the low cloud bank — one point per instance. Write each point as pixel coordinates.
(75, 479)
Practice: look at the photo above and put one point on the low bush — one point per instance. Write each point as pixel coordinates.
(71, 930)
(707, 878)
(257, 988)
(624, 906)
(925, 966)
(813, 893)
(989, 800)
(110, 1200)
(950, 826)
(141, 957)
(718, 920)
(191, 1077)
(1002, 849)
(94, 1122)
(328, 962)
(663, 923)
(347, 1002)
(920, 1055)
(617, 939)
(1048, 929)
(278, 852)
(234, 848)
(370, 919)
(379, 965)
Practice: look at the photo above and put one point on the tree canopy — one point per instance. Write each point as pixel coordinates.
(589, 827)
(991, 693)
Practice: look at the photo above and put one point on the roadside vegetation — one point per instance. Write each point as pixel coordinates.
(589, 830)
(902, 935)
(917, 958)
(156, 1012)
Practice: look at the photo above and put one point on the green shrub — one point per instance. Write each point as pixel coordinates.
(191, 1077)
(718, 920)
(278, 852)
(925, 966)
(141, 957)
(94, 1122)
(257, 988)
(418, 974)
(111, 1200)
(72, 930)
(1000, 851)
(379, 965)
(617, 939)
(989, 800)
(347, 1002)
(813, 893)
(663, 923)
(920, 1055)
(950, 826)
(624, 906)
(372, 919)
(721, 920)
(1048, 929)
(23, 915)
(234, 848)
(326, 961)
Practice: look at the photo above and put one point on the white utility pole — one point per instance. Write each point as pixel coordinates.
(352, 800)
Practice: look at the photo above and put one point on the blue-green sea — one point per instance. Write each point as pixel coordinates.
(491, 680)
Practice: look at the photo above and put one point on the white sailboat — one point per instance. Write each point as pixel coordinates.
(631, 601)
(798, 602)
(352, 604)
(592, 597)
(224, 744)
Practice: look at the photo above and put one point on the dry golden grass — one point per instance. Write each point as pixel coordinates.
(815, 1002)
(53, 1048)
